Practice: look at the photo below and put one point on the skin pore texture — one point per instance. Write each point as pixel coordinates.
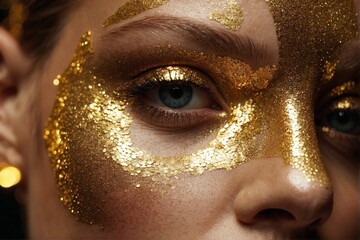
(121, 175)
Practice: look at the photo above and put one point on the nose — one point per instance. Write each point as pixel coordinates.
(280, 197)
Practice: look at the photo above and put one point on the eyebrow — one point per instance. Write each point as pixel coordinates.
(218, 41)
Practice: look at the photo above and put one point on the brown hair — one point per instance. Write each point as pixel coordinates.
(43, 21)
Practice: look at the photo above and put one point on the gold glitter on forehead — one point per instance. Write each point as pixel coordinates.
(132, 8)
(310, 32)
(230, 17)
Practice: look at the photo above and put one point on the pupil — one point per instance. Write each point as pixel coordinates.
(343, 118)
(344, 121)
(176, 92)
(175, 96)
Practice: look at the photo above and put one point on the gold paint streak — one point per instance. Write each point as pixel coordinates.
(231, 17)
(302, 155)
(132, 8)
(309, 33)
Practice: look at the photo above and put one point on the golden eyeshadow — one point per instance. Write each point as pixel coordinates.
(173, 73)
(132, 8)
(342, 89)
(347, 103)
(231, 16)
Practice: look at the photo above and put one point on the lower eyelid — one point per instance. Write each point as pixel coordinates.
(169, 119)
(340, 141)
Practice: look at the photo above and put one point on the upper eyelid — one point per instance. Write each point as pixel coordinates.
(349, 56)
(327, 99)
(177, 72)
(347, 67)
(206, 84)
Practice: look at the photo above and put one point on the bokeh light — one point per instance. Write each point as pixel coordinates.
(9, 176)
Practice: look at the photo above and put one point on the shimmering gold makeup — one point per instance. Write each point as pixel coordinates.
(345, 104)
(309, 33)
(346, 87)
(270, 114)
(132, 8)
(231, 15)
(235, 73)
(90, 122)
(329, 71)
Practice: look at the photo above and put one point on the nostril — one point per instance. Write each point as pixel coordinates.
(275, 214)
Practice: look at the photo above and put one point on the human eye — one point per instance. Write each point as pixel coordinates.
(175, 97)
(339, 117)
(343, 117)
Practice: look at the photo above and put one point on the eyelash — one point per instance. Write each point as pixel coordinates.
(332, 107)
(168, 118)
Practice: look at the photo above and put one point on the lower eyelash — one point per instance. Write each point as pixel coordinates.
(168, 119)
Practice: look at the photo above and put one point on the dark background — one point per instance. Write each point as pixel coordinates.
(12, 215)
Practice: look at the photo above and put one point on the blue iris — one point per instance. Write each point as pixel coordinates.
(175, 96)
(344, 121)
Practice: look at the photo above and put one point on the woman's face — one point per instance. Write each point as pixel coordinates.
(200, 120)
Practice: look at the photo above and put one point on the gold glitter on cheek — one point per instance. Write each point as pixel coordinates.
(89, 129)
(132, 8)
(56, 135)
(231, 17)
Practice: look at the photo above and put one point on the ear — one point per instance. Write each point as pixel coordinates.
(13, 68)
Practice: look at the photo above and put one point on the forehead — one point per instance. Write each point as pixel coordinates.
(319, 25)
(331, 19)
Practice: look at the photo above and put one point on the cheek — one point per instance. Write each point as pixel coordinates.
(185, 207)
(346, 204)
